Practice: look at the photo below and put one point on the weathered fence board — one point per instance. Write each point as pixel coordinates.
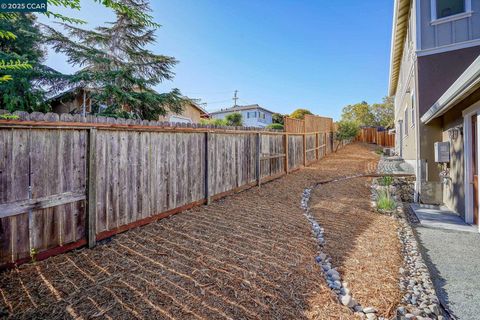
(376, 136)
(295, 152)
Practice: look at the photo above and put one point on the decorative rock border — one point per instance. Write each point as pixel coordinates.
(420, 300)
(330, 272)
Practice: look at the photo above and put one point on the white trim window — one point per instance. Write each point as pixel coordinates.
(251, 114)
(450, 10)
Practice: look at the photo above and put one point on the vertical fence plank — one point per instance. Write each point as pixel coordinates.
(92, 193)
(304, 149)
(285, 136)
(207, 170)
(258, 157)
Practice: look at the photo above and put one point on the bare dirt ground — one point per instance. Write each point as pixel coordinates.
(248, 256)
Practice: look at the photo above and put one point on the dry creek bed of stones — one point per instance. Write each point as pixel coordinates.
(419, 300)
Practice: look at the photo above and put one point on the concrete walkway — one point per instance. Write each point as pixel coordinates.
(451, 250)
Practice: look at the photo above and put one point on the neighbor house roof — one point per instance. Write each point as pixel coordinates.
(466, 84)
(74, 90)
(196, 105)
(241, 108)
(399, 31)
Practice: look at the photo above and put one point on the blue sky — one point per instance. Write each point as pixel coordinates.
(282, 54)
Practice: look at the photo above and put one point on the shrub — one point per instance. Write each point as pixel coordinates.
(234, 119)
(384, 201)
(276, 126)
(216, 122)
(300, 114)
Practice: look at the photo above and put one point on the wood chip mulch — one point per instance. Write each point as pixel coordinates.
(363, 244)
(248, 256)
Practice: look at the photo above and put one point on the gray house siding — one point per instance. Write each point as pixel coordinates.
(446, 33)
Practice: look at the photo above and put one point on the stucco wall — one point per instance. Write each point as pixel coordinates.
(454, 188)
(454, 192)
(437, 72)
(189, 112)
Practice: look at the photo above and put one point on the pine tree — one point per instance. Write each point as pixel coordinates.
(116, 66)
(22, 55)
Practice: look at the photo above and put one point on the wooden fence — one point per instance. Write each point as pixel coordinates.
(66, 183)
(373, 135)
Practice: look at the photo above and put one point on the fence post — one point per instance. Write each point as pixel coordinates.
(286, 152)
(304, 149)
(258, 164)
(92, 189)
(317, 145)
(207, 171)
(332, 141)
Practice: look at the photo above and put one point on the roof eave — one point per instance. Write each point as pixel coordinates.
(401, 13)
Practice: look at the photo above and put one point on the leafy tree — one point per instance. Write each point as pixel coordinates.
(234, 119)
(384, 113)
(116, 63)
(360, 113)
(346, 130)
(24, 89)
(300, 113)
(278, 118)
(6, 66)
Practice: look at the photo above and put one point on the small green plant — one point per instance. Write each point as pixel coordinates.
(9, 116)
(33, 254)
(384, 201)
(386, 181)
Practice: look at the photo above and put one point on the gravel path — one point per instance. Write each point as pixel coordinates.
(248, 256)
(453, 258)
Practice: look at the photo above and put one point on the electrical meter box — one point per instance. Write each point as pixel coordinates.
(442, 151)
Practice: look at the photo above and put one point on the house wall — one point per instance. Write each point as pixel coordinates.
(436, 73)
(454, 192)
(435, 35)
(248, 122)
(74, 105)
(405, 143)
(190, 112)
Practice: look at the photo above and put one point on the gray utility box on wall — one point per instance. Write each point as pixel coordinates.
(442, 151)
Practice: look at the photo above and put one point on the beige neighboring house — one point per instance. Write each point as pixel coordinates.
(192, 113)
(434, 76)
(77, 101)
